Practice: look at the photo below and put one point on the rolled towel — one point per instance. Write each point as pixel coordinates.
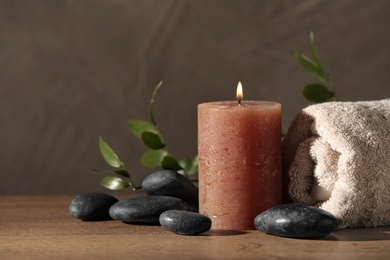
(336, 156)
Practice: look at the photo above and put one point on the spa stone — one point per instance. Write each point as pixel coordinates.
(296, 220)
(146, 209)
(92, 206)
(185, 222)
(171, 183)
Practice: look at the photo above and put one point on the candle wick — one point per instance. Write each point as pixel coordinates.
(239, 102)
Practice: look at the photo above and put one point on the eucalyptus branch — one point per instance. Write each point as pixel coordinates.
(151, 104)
(156, 155)
(321, 90)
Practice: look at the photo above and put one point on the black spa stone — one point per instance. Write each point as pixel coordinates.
(185, 222)
(296, 220)
(91, 206)
(146, 209)
(171, 183)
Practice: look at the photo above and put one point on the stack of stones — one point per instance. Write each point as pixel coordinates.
(172, 202)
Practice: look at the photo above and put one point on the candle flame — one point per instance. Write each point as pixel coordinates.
(240, 93)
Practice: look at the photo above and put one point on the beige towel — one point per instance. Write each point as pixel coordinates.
(336, 156)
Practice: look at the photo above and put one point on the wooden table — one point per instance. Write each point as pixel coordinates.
(40, 227)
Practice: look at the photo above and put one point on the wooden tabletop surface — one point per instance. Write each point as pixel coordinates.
(39, 227)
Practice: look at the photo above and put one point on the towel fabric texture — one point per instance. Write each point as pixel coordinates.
(336, 156)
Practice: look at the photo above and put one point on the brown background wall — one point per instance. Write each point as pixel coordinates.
(72, 70)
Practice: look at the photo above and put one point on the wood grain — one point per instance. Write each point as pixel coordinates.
(40, 227)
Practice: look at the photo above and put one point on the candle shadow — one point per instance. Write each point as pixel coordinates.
(224, 233)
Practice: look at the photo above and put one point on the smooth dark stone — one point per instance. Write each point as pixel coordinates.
(171, 183)
(296, 220)
(145, 209)
(185, 222)
(92, 206)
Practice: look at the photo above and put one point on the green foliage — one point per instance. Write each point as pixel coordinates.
(123, 173)
(108, 154)
(156, 155)
(114, 183)
(170, 163)
(317, 93)
(137, 127)
(112, 159)
(320, 91)
(151, 104)
(190, 165)
(153, 158)
(152, 140)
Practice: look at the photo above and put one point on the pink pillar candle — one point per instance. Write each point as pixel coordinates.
(239, 149)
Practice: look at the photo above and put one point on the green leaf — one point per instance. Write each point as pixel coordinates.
(314, 53)
(103, 171)
(190, 165)
(153, 158)
(137, 127)
(152, 140)
(114, 183)
(151, 113)
(317, 93)
(123, 173)
(109, 155)
(170, 163)
(310, 66)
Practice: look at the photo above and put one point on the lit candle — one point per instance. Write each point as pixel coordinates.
(239, 149)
